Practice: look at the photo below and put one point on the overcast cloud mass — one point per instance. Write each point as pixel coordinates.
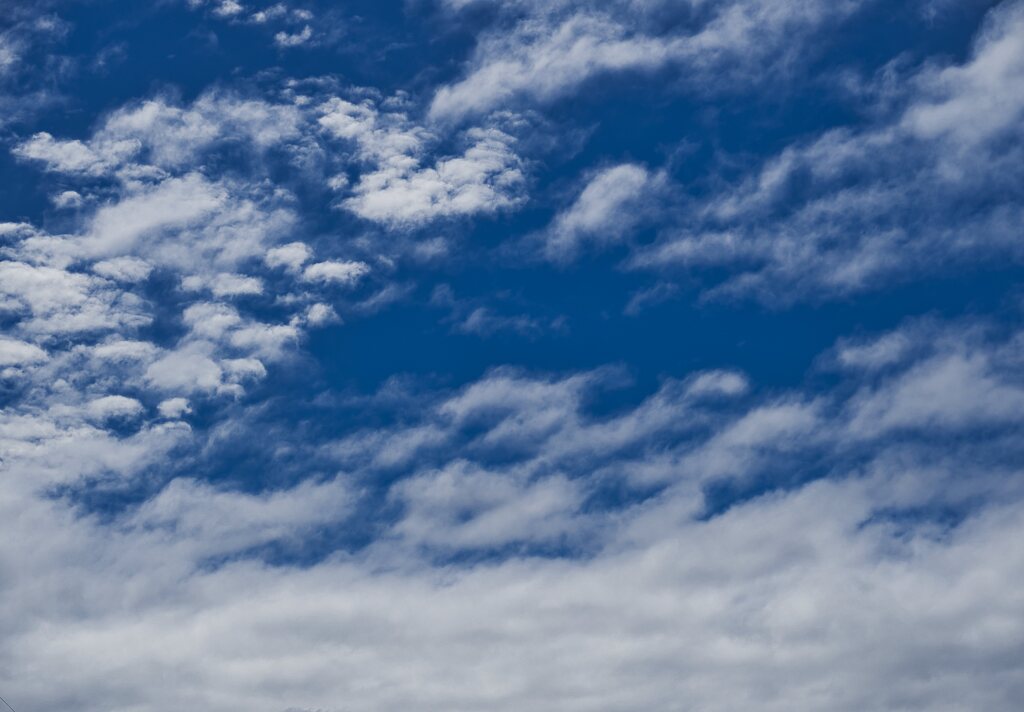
(481, 356)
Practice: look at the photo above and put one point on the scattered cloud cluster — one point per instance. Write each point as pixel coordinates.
(205, 505)
(279, 14)
(934, 183)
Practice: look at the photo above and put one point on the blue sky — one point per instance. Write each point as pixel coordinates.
(478, 356)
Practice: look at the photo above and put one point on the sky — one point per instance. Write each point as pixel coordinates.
(489, 356)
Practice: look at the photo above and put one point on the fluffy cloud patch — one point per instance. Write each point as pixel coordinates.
(18, 353)
(338, 272)
(400, 191)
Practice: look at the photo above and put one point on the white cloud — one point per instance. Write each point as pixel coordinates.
(18, 353)
(211, 320)
(931, 185)
(161, 135)
(51, 300)
(273, 12)
(244, 368)
(607, 207)
(319, 314)
(115, 406)
(789, 601)
(717, 384)
(268, 341)
(485, 179)
(950, 391)
(224, 284)
(400, 191)
(576, 537)
(9, 54)
(174, 135)
(175, 203)
(464, 507)
(174, 407)
(74, 156)
(875, 353)
(211, 521)
(544, 61)
(123, 269)
(67, 199)
(123, 350)
(294, 39)
(228, 8)
(291, 256)
(344, 272)
(186, 370)
(543, 51)
(485, 322)
(213, 323)
(982, 98)
(188, 223)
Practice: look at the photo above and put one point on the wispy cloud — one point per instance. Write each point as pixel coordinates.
(933, 185)
(544, 51)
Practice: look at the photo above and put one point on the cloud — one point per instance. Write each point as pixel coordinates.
(273, 12)
(17, 353)
(399, 191)
(667, 603)
(74, 156)
(484, 179)
(50, 300)
(487, 317)
(123, 269)
(209, 521)
(544, 61)
(204, 502)
(187, 223)
(650, 296)
(291, 256)
(932, 185)
(186, 370)
(540, 52)
(875, 353)
(337, 272)
(228, 8)
(224, 284)
(175, 203)
(123, 350)
(161, 134)
(68, 199)
(109, 407)
(174, 407)
(972, 103)
(293, 39)
(319, 314)
(718, 384)
(463, 507)
(9, 54)
(950, 391)
(609, 205)
(484, 322)
(954, 379)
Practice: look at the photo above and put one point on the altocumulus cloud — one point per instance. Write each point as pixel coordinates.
(577, 356)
